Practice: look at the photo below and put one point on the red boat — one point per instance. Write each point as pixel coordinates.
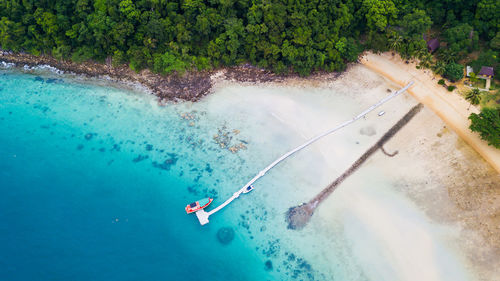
(198, 205)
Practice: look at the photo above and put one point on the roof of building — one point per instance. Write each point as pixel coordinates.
(433, 44)
(487, 71)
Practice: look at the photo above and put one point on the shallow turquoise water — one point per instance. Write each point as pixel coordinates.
(94, 181)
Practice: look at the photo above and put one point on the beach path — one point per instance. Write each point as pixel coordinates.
(450, 107)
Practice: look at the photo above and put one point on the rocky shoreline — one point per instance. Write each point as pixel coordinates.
(191, 86)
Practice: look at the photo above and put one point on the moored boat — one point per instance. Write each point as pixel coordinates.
(248, 189)
(198, 205)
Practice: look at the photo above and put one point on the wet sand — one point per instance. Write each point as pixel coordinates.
(452, 184)
(463, 182)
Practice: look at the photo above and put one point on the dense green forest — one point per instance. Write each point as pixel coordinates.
(287, 35)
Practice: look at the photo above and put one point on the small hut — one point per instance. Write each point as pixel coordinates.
(487, 73)
(432, 45)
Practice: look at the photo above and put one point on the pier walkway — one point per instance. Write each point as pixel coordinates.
(202, 215)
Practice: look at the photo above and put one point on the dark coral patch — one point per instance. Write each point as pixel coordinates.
(225, 235)
(116, 147)
(53, 80)
(208, 168)
(140, 158)
(192, 189)
(268, 265)
(168, 163)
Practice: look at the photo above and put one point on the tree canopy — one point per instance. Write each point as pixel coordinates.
(487, 124)
(454, 71)
(177, 35)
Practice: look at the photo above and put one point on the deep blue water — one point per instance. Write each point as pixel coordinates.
(93, 184)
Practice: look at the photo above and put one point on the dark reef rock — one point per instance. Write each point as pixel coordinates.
(192, 189)
(269, 265)
(168, 163)
(139, 158)
(272, 249)
(225, 235)
(208, 168)
(53, 80)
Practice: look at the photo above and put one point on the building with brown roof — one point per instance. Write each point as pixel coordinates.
(487, 71)
(432, 45)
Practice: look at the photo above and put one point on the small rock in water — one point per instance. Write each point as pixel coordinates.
(225, 235)
(89, 136)
(269, 265)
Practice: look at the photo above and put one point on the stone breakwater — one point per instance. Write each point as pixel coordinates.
(297, 217)
(190, 86)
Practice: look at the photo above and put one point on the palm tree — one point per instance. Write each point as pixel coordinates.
(474, 97)
(425, 60)
(421, 53)
(439, 67)
(447, 55)
(395, 42)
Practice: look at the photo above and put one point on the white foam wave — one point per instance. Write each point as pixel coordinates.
(43, 67)
(6, 65)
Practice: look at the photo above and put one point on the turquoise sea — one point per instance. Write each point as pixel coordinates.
(94, 179)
